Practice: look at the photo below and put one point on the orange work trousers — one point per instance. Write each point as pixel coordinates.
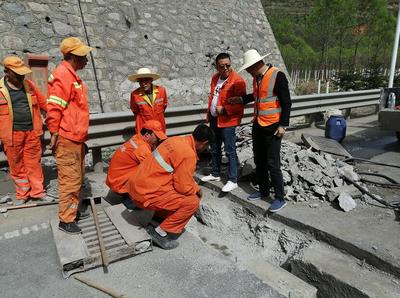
(176, 208)
(24, 159)
(71, 170)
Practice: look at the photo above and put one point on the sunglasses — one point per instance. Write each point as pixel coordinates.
(224, 66)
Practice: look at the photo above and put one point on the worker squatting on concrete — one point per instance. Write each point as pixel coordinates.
(126, 159)
(21, 128)
(164, 182)
(224, 118)
(68, 122)
(148, 102)
(272, 105)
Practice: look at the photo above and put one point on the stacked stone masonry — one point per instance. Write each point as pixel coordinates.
(177, 38)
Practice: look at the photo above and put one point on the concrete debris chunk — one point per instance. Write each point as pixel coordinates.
(331, 195)
(346, 202)
(338, 181)
(319, 190)
(286, 177)
(350, 189)
(348, 172)
(307, 175)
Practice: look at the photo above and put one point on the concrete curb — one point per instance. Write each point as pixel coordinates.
(261, 207)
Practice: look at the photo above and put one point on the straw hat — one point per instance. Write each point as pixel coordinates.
(143, 73)
(251, 57)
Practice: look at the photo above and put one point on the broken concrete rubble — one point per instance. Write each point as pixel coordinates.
(346, 202)
(307, 175)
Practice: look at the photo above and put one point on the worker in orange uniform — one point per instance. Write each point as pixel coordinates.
(126, 159)
(148, 102)
(164, 182)
(68, 122)
(21, 128)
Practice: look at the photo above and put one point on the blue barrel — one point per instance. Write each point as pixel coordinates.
(335, 128)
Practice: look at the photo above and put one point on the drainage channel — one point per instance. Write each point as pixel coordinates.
(255, 243)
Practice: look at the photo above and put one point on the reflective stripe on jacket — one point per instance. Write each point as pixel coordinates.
(145, 109)
(36, 101)
(67, 104)
(125, 161)
(267, 109)
(234, 86)
(169, 169)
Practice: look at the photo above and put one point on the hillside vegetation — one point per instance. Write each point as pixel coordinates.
(349, 41)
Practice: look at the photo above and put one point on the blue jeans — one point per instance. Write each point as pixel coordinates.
(226, 135)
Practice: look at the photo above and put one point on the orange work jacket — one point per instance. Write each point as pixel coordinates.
(267, 108)
(67, 104)
(125, 161)
(146, 109)
(36, 101)
(233, 86)
(169, 170)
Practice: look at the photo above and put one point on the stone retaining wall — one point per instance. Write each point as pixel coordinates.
(177, 38)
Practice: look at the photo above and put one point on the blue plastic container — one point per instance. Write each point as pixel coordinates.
(335, 128)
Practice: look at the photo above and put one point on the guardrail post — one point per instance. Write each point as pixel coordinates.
(346, 113)
(313, 118)
(376, 109)
(97, 160)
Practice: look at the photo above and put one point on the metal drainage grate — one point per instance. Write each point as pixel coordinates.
(79, 253)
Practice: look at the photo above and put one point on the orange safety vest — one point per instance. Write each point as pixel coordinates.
(146, 109)
(125, 161)
(67, 104)
(267, 108)
(36, 101)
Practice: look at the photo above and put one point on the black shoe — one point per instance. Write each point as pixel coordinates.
(129, 204)
(69, 228)
(161, 241)
(82, 215)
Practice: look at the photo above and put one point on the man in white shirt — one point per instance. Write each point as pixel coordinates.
(224, 118)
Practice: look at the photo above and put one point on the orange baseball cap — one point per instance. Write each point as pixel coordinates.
(16, 65)
(74, 46)
(155, 127)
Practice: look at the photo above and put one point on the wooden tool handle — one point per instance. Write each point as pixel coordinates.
(103, 251)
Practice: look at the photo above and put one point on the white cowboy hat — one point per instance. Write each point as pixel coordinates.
(251, 57)
(143, 73)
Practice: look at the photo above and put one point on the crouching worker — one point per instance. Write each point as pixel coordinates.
(126, 159)
(21, 128)
(164, 182)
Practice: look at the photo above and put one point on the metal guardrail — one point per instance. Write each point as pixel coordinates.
(110, 129)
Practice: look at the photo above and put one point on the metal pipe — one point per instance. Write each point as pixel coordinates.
(395, 48)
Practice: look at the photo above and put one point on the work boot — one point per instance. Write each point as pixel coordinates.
(19, 202)
(129, 204)
(69, 228)
(163, 242)
(44, 199)
(82, 215)
(5, 199)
